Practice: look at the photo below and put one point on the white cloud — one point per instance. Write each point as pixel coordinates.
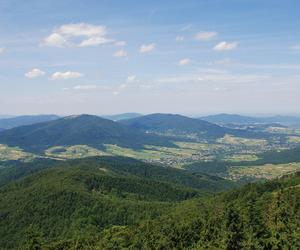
(184, 61)
(34, 73)
(296, 47)
(226, 46)
(82, 29)
(131, 78)
(179, 38)
(120, 53)
(205, 36)
(2, 49)
(56, 40)
(120, 43)
(85, 87)
(145, 48)
(94, 41)
(65, 75)
(78, 34)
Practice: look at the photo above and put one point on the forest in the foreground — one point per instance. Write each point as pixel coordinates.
(121, 203)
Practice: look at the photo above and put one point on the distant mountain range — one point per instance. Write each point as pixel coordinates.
(6, 116)
(12, 122)
(124, 116)
(94, 131)
(240, 119)
(78, 130)
(175, 124)
(182, 126)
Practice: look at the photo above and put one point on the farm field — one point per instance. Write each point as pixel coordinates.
(14, 153)
(267, 171)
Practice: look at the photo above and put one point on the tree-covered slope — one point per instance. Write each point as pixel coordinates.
(84, 206)
(257, 216)
(119, 166)
(76, 130)
(68, 202)
(175, 123)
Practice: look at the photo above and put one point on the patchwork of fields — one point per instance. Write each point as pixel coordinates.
(229, 149)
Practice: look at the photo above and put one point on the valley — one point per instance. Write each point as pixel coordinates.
(84, 182)
(171, 145)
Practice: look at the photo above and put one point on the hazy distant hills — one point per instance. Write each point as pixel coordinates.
(124, 116)
(175, 124)
(78, 130)
(182, 126)
(8, 123)
(94, 131)
(240, 119)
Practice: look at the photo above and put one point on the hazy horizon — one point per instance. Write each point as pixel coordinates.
(4, 116)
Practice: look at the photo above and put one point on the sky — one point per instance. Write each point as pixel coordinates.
(173, 56)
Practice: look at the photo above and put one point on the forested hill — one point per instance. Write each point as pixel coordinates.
(80, 198)
(257, 216)
(114, 203)
(78, 130)
(175, 123)
(178, 125)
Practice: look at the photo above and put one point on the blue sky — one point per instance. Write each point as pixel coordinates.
(109, 56)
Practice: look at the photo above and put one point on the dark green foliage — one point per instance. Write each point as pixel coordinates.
(12, 170)
(83, 197)
(257, 216)
(116, 203)
(78, 130)
(128, 166)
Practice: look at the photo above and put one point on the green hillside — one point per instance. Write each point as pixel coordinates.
(80, 198)
(257, 216)
(114, 203)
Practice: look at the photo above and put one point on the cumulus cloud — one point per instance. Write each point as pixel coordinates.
(34, 73)
(179, 38)
(184, 61)
(85, 87)
(222, 46)
(56, 40)
(146, 48)
(78, 34)
(205, 36)
(94, 41)
(120, 53)
(65, 75)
